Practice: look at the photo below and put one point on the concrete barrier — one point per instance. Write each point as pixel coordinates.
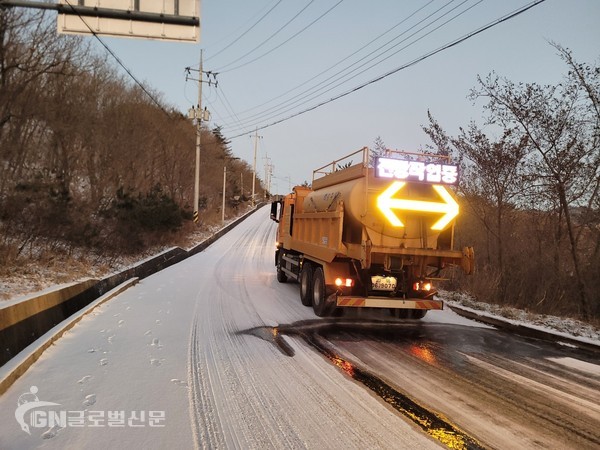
(17, 366)
(22, 322)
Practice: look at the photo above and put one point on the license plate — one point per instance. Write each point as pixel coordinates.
(380, 283)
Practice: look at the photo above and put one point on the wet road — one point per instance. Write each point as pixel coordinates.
(482, 388)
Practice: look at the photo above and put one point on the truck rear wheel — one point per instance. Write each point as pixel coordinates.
(418, 313)
(281, 276)
(408, 313)
(320, 305)
(306, 282)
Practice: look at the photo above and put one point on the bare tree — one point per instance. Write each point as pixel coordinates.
(31, 55)
(492, 177)
(564, 158)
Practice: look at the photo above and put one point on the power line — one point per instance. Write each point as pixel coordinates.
(344, 78)
(234, 32)
(227, 105)
(321, 88)
(107, 48)
(454, 43)
(340, 61)
(318, 90)
(247, 31)
(270, 37)
(289, 39)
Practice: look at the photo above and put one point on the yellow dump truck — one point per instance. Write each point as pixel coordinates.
(376, 233)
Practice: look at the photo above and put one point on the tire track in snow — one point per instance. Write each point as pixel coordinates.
(232, 380)
(205, 423)
(245, 394)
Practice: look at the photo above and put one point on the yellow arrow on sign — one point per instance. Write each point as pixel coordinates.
(386, 204)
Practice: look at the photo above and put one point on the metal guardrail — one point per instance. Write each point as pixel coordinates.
(367, 157)
(336, 165)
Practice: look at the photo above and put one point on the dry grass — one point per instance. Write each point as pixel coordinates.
(42, 265)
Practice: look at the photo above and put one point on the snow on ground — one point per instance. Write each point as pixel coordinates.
(593, 369)
(561, 326)
(176, 345)
(125, 359)
(35, 277)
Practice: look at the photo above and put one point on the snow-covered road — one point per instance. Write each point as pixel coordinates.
(186, 359)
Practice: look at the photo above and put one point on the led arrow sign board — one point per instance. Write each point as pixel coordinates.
(387, 204)
(418, 171)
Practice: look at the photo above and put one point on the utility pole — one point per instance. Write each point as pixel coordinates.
(198, 114)
(198, 138)
(266, 179)
(256, 136)
(224, 183)
(268, 173)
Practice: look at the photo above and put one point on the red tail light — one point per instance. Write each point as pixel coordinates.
(422, 286)
(344, 282)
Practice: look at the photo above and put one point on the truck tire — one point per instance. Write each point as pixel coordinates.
(306, 283)
(408, 313)
(320, 305)
(281, 276)
(418, 313)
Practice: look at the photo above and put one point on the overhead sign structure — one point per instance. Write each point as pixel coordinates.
(418, 171)
(387, 204)
(174, 20)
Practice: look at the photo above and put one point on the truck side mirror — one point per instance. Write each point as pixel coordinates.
(274, 211)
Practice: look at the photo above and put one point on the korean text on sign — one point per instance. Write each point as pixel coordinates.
(420, 171)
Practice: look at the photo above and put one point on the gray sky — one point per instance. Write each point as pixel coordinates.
(325, 54)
